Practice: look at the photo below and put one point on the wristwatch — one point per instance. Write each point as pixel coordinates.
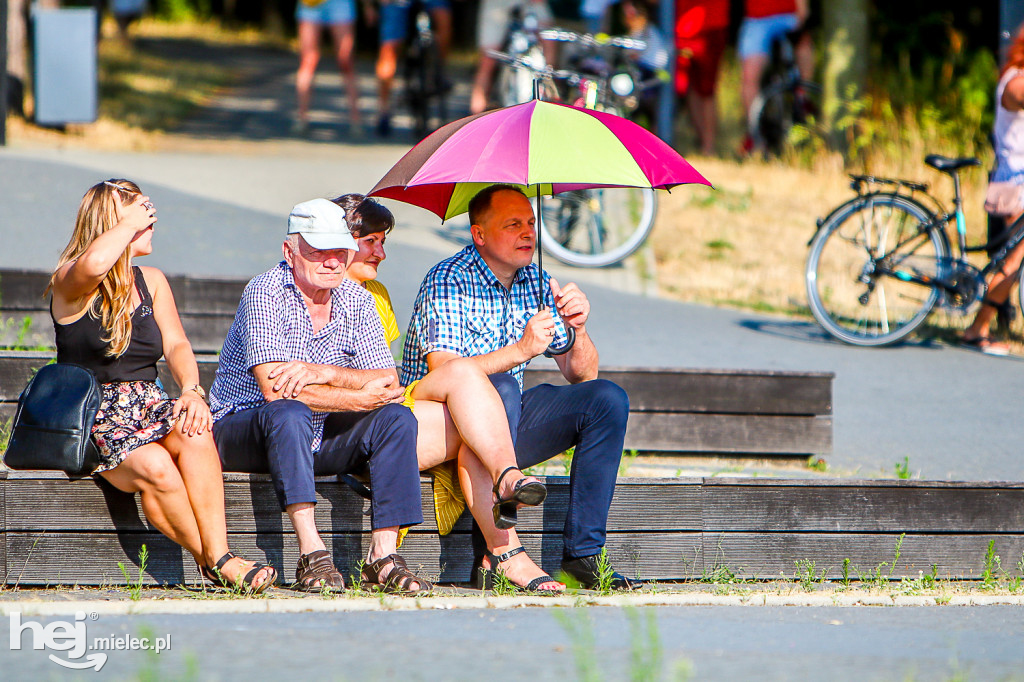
(198, 389)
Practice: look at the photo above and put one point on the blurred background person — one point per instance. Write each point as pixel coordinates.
(764, 22)
(125, 12)
(651, 61)
(701, 33)
(339, 17)
(1005, 195)
(492, 30)
(393, 32)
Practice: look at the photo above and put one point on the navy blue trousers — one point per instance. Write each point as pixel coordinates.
(277, 438)
(547, 420)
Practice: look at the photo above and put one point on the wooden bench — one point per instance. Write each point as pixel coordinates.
(53, 531)
(776, 415)
(684, 411)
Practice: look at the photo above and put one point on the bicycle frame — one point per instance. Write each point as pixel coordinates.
(1011, 238)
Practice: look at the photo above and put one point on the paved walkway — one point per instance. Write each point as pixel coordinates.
(222, 200)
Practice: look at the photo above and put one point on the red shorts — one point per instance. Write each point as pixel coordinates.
(697, 62)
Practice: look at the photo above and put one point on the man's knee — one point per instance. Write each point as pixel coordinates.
(609, 401)
(395, 419)
(507, 387)
(279, 415)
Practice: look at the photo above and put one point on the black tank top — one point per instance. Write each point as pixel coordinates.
(81, 343)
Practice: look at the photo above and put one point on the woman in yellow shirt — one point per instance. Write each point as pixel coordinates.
(461, 419)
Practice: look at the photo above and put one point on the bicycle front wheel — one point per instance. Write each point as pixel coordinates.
(859, 264)
(594, 228)
(778, 108)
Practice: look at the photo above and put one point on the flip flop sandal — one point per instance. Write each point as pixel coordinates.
(506, 509)
(317, 567)
(398, 581)
(985, 345)
(216, 576)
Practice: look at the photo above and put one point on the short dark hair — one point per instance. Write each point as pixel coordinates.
(480, 203)
(364, 215)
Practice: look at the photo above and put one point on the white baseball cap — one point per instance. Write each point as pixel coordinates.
(322, 224)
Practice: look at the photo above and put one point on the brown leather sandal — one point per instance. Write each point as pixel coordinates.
(398, 581)
(316, 571)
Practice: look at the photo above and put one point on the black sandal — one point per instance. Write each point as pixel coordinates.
(484, 578)
(398, 580)
(530, 493)
(216, 577)
(317, 567)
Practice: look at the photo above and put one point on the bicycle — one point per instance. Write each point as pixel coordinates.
(423, 73)
(784, 100)
(515, 85)
(880, 262)
(591, 227)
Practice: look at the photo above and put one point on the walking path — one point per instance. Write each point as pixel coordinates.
(225, 184)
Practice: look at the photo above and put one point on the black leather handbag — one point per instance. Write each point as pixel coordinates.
(54, 421)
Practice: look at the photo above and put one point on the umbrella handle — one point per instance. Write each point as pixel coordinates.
(570, 342)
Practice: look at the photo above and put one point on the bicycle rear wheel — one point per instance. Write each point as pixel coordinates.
(778, 108)
(597, 227)
(855, 263)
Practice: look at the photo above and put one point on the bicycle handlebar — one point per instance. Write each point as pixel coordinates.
(600, 40)
(545, 72)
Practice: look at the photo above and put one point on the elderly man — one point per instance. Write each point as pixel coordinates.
(307, 386)
(481, 303)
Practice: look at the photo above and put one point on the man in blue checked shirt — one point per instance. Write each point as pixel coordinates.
(306, 386)
(482, 303)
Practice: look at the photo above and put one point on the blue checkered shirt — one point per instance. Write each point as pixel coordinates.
(273, 325)
(463, 309)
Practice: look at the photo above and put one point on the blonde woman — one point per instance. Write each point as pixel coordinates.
(118, 319)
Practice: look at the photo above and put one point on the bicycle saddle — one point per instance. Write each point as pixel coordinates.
(947, 165)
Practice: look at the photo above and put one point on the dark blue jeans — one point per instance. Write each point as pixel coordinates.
(547, 420)
(277, 437)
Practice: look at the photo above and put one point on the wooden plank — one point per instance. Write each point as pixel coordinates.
(251, 506)
(91, 559)
(22, 290)
(678, 432)
(38, 333)
(715, 391)
(3, 521)
(773, 555)
(16, 368)
(856, 508)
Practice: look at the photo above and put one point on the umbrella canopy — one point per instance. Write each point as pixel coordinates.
(542, 147)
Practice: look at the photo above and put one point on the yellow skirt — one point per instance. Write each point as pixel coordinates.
(449, 501)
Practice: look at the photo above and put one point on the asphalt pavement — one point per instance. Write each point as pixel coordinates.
(597, 643)
(223, 191)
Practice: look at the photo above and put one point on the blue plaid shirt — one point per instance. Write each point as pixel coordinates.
(273, 325)
(463, 309)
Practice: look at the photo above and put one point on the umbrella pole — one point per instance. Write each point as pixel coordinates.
(570, 333)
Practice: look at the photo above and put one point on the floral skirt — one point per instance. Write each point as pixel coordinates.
(131, 414)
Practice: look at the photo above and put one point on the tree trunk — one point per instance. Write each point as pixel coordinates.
(17, 54)
(846, 60)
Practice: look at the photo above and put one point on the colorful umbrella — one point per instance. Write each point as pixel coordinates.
(541, 147)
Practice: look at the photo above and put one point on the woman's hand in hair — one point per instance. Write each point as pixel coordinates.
(140, 214)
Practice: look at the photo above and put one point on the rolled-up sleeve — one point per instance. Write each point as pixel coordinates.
(261, 326)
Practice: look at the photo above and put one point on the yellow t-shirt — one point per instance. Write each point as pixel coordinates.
(385, 310)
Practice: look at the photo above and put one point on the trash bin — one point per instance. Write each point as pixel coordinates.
(64, 57)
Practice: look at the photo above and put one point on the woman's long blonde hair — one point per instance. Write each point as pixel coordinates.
(113, 305)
